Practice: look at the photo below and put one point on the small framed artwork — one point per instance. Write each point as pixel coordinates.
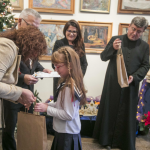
(98, 6)
(17, 4)
(96, 35)
(53, 30)
(53, 6)
(134, 6)
(123, 29)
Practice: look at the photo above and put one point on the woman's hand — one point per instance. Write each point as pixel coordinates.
(47, 71)
(41, 107)
(29, 79)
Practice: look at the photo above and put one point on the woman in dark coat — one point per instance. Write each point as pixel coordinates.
(73, 38)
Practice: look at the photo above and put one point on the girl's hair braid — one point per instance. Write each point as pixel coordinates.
(68, 64)
(70, 58)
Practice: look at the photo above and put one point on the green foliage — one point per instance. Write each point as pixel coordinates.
(6, 18)
(38, 100)
(143, 128)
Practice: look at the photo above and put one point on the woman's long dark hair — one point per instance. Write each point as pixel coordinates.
(78, 42)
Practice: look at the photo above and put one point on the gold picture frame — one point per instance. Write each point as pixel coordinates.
(95, 35)
(17, 4)
(95, 6)
(65, 7)
(123, 29)
(48, 28)
(53, 30)
(134, 7)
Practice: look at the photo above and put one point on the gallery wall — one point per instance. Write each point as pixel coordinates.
(95, 74)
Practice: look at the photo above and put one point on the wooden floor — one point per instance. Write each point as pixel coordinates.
(142, 143)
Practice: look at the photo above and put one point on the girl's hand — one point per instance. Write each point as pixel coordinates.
(40, 107)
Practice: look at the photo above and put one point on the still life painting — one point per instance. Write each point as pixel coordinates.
(53, 30)
(95, 35)
(134, 6)
(99, 6)
(56, 6)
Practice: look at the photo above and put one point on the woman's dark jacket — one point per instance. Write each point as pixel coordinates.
(83, 61)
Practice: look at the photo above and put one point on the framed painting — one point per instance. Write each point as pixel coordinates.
(123, 29)
(98, 6)
(53, 6)
(96, 35)
(17, 4)
(53, 30)
(134, 6)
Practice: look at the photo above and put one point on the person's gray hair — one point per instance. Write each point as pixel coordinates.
(140, 22)
(28, 11)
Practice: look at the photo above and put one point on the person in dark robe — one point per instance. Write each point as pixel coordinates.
(115, 125)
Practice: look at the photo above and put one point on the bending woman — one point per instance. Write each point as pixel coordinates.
(12, 43)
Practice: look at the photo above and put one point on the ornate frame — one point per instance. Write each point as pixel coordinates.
(20, 7)
(96, 11)
(52, 10)
(57, 22)
(98, 41)
(125, 25)
(132, 10)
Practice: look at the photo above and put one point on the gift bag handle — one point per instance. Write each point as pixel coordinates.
(26, 110)
(119, 52)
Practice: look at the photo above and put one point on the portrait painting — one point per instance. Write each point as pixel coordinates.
(95, 35)
(52, 30)
(99, 6)
(134, 6)
(17, 4)
(54, 6)
(123, 29)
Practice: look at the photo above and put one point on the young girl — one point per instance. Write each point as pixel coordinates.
(70, 94)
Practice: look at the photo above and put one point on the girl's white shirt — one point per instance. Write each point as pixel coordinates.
(67, 119)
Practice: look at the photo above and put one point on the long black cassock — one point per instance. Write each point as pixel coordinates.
(116, 120)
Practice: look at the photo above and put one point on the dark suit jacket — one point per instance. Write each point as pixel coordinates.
(24, 69)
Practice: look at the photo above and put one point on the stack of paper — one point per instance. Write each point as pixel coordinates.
(45, 75)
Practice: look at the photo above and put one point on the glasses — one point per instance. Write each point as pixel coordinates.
(137, 31)
(26, 22)
(74, 32)
(59, 66)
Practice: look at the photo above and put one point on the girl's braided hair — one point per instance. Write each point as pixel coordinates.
(71, 59)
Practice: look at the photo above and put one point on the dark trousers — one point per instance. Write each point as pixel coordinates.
(10, 120)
